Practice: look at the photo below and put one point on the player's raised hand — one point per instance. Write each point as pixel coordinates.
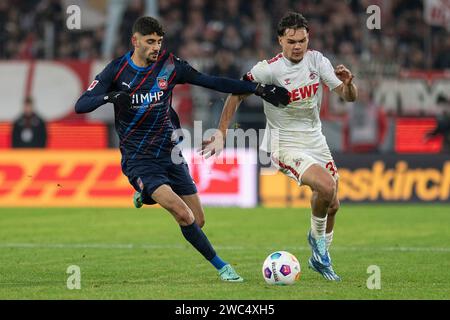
(277, 96)
(120, 98)
(213, 145)
(343, 74)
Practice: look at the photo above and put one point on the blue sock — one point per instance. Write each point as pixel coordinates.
(217, 262)
(199, 241)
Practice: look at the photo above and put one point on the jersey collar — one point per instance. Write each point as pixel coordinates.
(290, 63)
(131, 63)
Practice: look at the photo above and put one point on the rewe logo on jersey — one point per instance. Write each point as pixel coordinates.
(304, 92)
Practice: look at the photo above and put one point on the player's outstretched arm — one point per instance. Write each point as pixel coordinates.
(87, 102)
(100, 92)
(275, 95)
(347, 90)
(215, 144)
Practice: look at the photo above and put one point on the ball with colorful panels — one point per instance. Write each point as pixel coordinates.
(281, 268)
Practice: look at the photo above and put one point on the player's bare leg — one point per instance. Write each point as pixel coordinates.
(324, 193)
(331, 215)
(324, 188)
(331, 218)
(193, 202)
(169, 200)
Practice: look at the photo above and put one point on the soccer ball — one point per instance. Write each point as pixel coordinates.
(281, 268)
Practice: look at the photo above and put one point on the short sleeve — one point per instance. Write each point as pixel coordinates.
(259, 73)
(326, 72)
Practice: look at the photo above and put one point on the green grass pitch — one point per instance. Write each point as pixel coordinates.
(141, 254)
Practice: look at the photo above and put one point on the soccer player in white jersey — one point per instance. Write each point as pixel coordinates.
(293, 134)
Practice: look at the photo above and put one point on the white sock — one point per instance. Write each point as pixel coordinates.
(318, 226)
(329, 239)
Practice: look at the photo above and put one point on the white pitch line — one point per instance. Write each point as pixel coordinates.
(175, 246)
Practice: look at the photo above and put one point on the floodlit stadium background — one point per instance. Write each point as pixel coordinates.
(379, 143)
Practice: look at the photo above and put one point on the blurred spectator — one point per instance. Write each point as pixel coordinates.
(338, 29)
(224, 66)
(443, 124)
(29, 130)
(442, 129)
(442, 59)
(229, 37)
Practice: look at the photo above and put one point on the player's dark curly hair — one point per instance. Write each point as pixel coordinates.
(292, 20)
(148, 25)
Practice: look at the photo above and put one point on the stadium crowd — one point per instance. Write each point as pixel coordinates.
(199, 29)
(227, 38)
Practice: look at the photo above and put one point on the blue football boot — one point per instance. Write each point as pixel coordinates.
(319, 249)
(320, 260)
(326, 272)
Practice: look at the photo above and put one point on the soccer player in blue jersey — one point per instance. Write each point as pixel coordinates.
(140, 85)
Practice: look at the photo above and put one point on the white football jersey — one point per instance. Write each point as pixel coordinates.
(299, 121)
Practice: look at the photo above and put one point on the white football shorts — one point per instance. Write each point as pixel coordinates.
(293, 162)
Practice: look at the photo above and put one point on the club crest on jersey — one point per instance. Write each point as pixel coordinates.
(162, 83)
(298, 162)
(92, 85)
(313, 75)
(287, 81)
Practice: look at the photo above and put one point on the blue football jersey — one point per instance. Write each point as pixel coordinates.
(145, 129)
